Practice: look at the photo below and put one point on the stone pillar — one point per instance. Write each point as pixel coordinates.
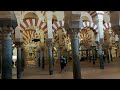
(107, 53)
(50, 44)
(19, 59)
(6, 53)
(65, 53)
(75, 53)
(93, 54)
(96, 54)
(110, 49)
(72, 24)
(38, 55)
(117, 43)
(100, 36)
(87, 54)
(82, 53)
(23, 59)
(49, 15)
(101, 57)
(119, 47)
(116, 51)
(0, 59)
(43, 61)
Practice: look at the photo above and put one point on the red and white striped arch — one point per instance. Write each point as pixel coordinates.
(107, 26)
(57, 25)
(67, 40)
(91, 25)
(29, 34)
(94, 14)
(86, 38)
(32, 22)
(56, 38)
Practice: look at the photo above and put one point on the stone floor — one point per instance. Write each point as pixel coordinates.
(88, 71)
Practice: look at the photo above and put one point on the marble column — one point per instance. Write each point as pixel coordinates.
(117, 43)
(49, 15)
(101, 57)
(6, 53)
(43, 61)
(110, 49)
(0, 59)
(116, 51)
(19, 59)
(93, 54)
(87, 54)
(96, 54)
(100, 36)
(66, 56)
(107, 53)
(38, 55)
(75, 53)
(23, 59)
(50, 44)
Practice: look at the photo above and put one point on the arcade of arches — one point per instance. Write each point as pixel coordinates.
(34, 41)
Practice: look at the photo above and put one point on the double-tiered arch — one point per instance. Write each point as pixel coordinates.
(28, 28)
(86, 34)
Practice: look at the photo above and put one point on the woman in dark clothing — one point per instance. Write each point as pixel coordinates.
(62, 63)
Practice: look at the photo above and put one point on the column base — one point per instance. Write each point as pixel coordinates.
(6, 77)
(77, 77)
(50, 72)
(101, 62)
(19, 76)
(94, 62)
(101, 67)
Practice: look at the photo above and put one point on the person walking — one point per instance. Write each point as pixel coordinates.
(63, 63)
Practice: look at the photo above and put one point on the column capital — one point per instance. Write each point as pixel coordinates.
(6, 29)
(49, 15)
(18, 42)
(100, 12)
(50, 42)
(73, 32)
(100, 15)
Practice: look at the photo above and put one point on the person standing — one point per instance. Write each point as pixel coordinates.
(63, 63)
